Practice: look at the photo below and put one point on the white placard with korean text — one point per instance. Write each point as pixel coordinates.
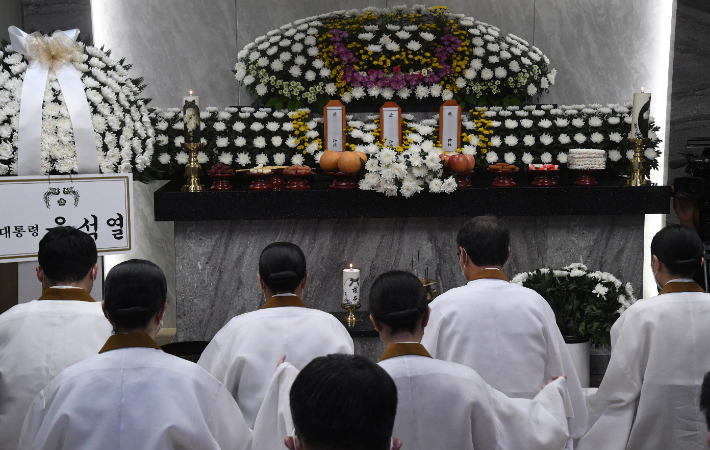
(334, 140)
(99, 205)
(391, 127)
(450, 131)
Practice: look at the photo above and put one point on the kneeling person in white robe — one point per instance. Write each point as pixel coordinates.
(505, 332)
(444, 405)
(243, 354)
(39, 339)
(660, 353)
(132, 395)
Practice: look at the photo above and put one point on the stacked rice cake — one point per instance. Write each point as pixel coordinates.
(586, 159)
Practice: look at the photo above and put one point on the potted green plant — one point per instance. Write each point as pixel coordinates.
(586, 304)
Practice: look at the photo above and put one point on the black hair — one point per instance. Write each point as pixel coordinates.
(343, 402)
(134, 291)
(398, 300)
(705, 398)
(282, 266)
(66, 254)
(486, 240)
(679, 249)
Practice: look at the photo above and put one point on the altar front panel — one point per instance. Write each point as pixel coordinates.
(217, 261)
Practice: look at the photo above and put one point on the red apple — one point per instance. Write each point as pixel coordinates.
(471, 162)
(458, 163)
(445, 159)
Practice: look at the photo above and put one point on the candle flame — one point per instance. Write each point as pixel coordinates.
(351, 267)
(642, 89)
(191, 92)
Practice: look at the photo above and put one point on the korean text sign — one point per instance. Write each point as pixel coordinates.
(99, 205)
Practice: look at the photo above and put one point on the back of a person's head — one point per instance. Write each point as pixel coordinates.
(134, 291)
(679, 249)
(343, 402)
(398, 300)
(705, 399)
(282, 266)
(66, 254)
(486, 240)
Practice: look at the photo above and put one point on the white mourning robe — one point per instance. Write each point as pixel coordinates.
(134, 396)
(38, 340)
(444, 405)
(649, 396)
(244, 354)
(506, 333)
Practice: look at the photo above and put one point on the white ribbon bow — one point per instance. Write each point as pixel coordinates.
(56, 53)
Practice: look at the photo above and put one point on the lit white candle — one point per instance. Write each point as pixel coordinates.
(191, 98)
(640, 113)
(351, 286)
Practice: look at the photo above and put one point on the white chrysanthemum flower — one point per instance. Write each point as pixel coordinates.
(576, 273)
(597, 138)
(527, 158)
(202, 158)
(580, 138)
(375, 48)
(560, 273)
(509, 157)
(615, 137)
(222, 142)
(219, 126)
(629, 155)
(486, 74)
(511, 124)
(614, 155)
(182, 158)
(511, 141)
(531, 90)
(650, 154)
(501, 73)
(164, 158)
(613, 120)
(529, 140)
(262, 159)
(427, 36)
(435, 185)
(564, 139)
(292, 142)
(578, 122)
(297, 160)
(421, 91)
(562, 158)
(496, 141)
(546, 158)
(491, 157)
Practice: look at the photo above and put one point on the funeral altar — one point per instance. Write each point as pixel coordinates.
(373, 136)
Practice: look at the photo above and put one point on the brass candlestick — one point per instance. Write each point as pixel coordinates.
(431, 293)
(638, 178)
(193, 170)
(351, 319)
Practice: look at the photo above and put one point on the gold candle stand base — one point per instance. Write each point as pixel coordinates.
(351, 319)
(193, 170)
(637, 175)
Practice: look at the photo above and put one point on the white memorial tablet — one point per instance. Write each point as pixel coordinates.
(391, 127)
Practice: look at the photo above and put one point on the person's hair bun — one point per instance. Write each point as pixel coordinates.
(279, 277)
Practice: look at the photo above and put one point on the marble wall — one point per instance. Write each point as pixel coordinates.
(217, 261)
(10, 14)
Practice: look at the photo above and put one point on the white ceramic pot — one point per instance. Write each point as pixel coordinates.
(579, 351)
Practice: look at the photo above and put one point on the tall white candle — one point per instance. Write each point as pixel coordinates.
(351, 286)
(640, 112)
(191, 98)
